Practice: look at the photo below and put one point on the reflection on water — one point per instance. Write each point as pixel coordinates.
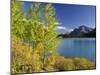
(78, 47)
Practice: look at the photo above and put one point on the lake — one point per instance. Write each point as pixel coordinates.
(78, 47)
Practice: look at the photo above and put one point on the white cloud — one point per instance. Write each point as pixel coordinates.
(58, 23)
(70, 30)
(61, 27)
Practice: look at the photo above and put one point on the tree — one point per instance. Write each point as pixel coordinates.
(51, 40)
(21, 52)
(17, 18)
(36, 28)
(44, 23)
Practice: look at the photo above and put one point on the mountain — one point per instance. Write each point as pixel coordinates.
(91, 33)
(81, 30)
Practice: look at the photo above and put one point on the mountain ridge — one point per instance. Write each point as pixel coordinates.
(81, 31)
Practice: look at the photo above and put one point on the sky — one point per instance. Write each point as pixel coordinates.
(72, 16)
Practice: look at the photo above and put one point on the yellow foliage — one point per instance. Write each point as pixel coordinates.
(59, 63)
(21, 55)
(37, 56)
(82, 63)
(25, 59)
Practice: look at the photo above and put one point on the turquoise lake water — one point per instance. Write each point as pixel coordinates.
(78, 47)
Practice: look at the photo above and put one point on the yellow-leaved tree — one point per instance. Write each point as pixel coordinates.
(34, 37)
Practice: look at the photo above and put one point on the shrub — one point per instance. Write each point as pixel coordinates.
(22, 57)
(82, 63)
(59, 63)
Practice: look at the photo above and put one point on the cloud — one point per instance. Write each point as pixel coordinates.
(58, 23)
(70, 30)
(61, 27)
